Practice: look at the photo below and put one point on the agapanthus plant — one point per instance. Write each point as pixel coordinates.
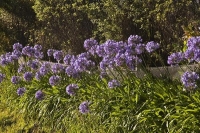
(175, 58)
(84, 107)
(21, 91)
(134, 39)
(90, 45)
(50, 52)
(39, 95)
(58, 68)
(7, 58)
(15, 79)
(189, 80)
(17, 46)
(58, 55)
(194, 42)
(28, 51)
(71, 89)
(152, 46)
(45, 68)
(34, 64)
(28, 76)
(54, 80)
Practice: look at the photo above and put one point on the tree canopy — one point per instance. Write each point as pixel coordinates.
(65, 24)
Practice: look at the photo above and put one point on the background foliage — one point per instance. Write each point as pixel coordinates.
(65, 24)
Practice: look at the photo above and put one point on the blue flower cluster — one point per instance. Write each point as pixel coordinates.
(34, 64)
(21, 91)
(120, 53)
(175, 58)
(84, 107)
(113, 54)
(54, 80)
(58, 55)
(78, 64)
(33, 51)
(189, 80)
(28, 76)
(192, 53)
(15, 79)
(39, 95)
(71, 89)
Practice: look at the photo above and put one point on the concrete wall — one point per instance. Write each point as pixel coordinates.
(174, 72)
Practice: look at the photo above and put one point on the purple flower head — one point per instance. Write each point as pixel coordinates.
(58, 68)
(134, 39)
(38, 47)
(38, 75)
(45, 68)
(110, 47)
(113, 83)
(29, 51)
(16, 54)
(22, 68)
(121, 46)
(71, 89)
(34, 64)
(139, 49)
(73, 59)
(194, 42)
(120, 59)
(197, 55)
(71, 71)
(21, 91)
(58, 55)
(132, 61)
(175, 58)
(82, 64)
(189, 80)
(103, 65)
(89, 43)
(130, 51)
(39, 95)
(152, 46)
(17, 46)
(7, 58)
(38, 54)
(84, 107)
(84, 55)
(92, 50)
(67, 59)
(54, 80)
(28, 76)
(50, 52)
(100, 51)
(109, 61)
(15, 79)
(3, 60)
(189, 54)
(2, 76)
(11, 57)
